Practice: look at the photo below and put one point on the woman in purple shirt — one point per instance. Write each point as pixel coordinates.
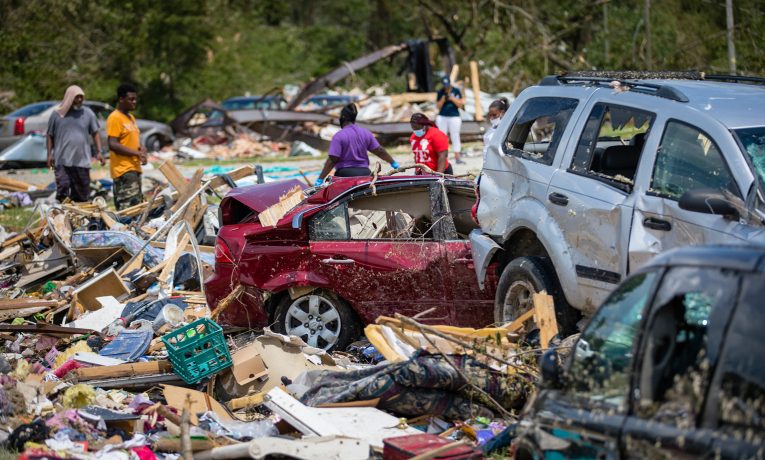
(349, 147)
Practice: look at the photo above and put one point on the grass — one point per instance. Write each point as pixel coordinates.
(8, 455)
(14, 219)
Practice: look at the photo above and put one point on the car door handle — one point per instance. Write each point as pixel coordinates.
(558, 198)
(338, 261)
(657, 224)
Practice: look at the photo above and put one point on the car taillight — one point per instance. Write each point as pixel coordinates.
(474, 209)
(18, 127)
(222, 252)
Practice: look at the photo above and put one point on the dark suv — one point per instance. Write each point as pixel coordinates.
(670, 366)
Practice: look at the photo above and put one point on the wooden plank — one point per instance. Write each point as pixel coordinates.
(517, 324)
(123, 370)
(11, 304)
(189, 248)
(238, 173)
(476, 90)
(173, 175)
(13, 185)
(544, 316)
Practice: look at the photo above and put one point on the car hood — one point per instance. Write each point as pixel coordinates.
(261, 196)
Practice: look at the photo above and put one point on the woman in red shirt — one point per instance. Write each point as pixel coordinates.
(429, 144)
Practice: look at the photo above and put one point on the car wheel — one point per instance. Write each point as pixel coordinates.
(520, 280)
(153, 143)
(320, 318)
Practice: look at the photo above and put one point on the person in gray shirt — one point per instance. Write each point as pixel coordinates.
(70, 129)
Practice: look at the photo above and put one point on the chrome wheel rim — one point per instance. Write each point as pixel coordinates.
(315, 319)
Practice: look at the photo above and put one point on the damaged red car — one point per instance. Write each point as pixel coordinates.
(348, 253)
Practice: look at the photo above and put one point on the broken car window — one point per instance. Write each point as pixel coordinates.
(612, 143)
(688, 159)
(738, 392)
(399, 215)
(753, 141)
(331, 224)
(538, 128)
(602, 360)
(682, 343)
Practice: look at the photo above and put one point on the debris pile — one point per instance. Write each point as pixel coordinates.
(110, 347)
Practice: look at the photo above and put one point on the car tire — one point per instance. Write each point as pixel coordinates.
(334, 328)
(153, 143)
(523, 277)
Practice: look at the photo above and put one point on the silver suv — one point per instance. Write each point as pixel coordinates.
(589, 177)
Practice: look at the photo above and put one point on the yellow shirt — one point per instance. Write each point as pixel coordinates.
(124, 128)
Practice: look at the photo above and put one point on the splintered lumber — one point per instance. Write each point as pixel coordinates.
(454, 73)
(476, 90)
(13, 185)
(123, 370)
(238, 173)
(11, 304)
(173, 175)
(517, 324)
(409, 98)
(271, 215)
(544, 316)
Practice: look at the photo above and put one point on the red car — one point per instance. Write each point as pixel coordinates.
(348, 253)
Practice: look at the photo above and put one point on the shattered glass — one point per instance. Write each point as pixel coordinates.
(753, 140)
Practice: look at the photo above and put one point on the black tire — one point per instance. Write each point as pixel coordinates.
(523, 277)
(346, 328)
(153, 143)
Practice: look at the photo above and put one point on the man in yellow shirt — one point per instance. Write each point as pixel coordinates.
(126, 154)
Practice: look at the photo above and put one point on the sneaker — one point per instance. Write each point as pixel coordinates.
(459, 161)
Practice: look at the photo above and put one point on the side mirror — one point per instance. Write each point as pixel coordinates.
(551, 371)
(712, 201)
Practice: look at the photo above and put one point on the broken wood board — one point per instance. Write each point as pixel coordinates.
(200, 402)
(271, 215)
(12, 304)
(187, 248)
(20, 312)
(13, 185)
(544, 316)
(122, 370)
(173, 175)
(517, 324)
(366, 423)
(476, 90)
(108, 283)
(44, 328)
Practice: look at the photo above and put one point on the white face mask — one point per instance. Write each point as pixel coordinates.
(495, 122)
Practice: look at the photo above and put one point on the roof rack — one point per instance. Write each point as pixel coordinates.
(736, 78)
(654, 89)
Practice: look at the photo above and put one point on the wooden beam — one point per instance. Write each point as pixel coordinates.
(544, 316)
(476, 90)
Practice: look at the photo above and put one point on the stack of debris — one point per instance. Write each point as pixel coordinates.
(109, 347)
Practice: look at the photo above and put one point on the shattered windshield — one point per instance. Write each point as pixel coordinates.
(753, 140)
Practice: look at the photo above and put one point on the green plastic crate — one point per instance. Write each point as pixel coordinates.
(197, 350)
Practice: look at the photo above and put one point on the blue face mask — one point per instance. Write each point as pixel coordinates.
(420, 132)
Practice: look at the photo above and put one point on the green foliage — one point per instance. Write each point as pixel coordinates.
(178, 52)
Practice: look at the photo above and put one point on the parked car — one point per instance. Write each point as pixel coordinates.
(588, 178)
(329, 100)
(670, 366)
(347, 254)
(33, 118)
(273, 102)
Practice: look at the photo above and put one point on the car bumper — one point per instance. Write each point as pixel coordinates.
(483, 249)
